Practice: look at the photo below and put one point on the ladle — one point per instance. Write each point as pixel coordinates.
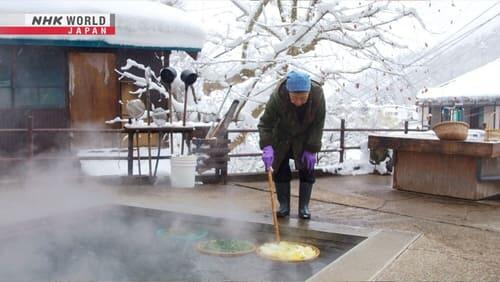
(273, 204)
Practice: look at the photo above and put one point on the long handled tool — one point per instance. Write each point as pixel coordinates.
(212, 127)
(167, 76)
(147, 76)
(188, 77)
(273, 204)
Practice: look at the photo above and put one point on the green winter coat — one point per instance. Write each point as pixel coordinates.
(279, 125)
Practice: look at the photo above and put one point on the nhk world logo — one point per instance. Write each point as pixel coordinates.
(57, 24)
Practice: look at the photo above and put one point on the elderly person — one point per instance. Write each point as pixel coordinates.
(292, 127)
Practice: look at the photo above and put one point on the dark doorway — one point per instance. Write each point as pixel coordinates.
(476, 117)
(32, 83)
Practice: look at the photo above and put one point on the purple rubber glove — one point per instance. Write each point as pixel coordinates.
(268, 156)
(308, 160)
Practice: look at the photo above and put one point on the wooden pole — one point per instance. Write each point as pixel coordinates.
(148, 109)
(171, 118)
(138, 154)
(342, 140)
(130, 157)
(30, 136)
(184, 117)
(273, 204)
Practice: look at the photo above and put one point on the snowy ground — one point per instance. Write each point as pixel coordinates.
(119, 167)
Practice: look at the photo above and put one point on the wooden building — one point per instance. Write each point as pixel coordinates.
(70, 81)
(477, 92)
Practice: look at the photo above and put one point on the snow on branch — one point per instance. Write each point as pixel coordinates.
(278, 35)
(152, 82)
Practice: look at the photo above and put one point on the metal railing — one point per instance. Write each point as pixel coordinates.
(30, 131)
(30, 148)
(342, 130)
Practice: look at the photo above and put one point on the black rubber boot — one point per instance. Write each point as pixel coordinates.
(304, 197)
(283, 192)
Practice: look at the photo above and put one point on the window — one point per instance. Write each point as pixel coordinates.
(5, 77)
(32, 77)
(477, 117)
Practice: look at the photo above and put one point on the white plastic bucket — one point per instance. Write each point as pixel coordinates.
(182, 171)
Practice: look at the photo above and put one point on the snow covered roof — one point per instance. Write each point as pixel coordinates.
(139, 24)
(481, 84)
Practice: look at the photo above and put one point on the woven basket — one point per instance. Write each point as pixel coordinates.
(451, 130)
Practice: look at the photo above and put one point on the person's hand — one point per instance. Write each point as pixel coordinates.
(268, 156)
(308, 160)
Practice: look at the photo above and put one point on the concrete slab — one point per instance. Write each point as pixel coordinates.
(427, 265)
(374, 192)
(365, 261)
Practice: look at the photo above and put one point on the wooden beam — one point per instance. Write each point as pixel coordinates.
(464, 148)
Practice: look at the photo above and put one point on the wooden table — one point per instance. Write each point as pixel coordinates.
(131, 130)
(468, 169)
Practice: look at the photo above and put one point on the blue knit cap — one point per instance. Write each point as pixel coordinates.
(298, 82)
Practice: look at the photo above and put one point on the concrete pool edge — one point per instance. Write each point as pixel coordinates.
(367, 259)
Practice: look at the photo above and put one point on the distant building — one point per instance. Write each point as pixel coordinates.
(70, 81)
(477, 92)
(400, 112)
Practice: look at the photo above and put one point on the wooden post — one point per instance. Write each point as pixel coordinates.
(429, 117)
(495, 114)
(224, 170)
(138, 155)
(342, 140)
(422, 116)
(148, 109)
(406, 127)
(171, 118)
(186, 88)
(130, 157)
(30, 136)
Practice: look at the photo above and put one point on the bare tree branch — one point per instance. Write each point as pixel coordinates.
(293, 14)
(299, 35)
(310, 13)
(282, 16)
(250, 25)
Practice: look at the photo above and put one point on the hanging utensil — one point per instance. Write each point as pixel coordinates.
(168, 76)
(188, 77)
(135, 108)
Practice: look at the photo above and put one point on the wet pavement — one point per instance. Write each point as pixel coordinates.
(459, 239)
